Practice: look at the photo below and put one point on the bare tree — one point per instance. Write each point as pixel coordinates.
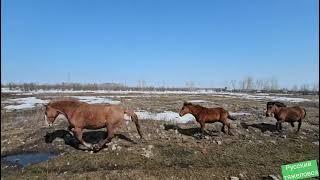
(304, 87)
(233, 84)
(315, 87)
(266, 84)
(294, 88)
(248, 83)
(259, 84)
(190, 85)
(274, 83)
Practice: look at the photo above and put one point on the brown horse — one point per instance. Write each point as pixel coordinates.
(207, 115)
(82, 115)
(286, 114)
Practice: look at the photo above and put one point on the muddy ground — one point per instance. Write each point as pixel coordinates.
(170, 151)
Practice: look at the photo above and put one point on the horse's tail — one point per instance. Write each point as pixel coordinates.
(231, 117)
(134, 118)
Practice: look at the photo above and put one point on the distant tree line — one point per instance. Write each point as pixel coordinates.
(142, 85)
(270, 85)
(248, 84)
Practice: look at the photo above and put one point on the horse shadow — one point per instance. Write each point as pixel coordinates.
(92, 137)
(263, 127)
(193, 132)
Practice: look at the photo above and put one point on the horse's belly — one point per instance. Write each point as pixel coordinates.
(95, 124)
(211, 118)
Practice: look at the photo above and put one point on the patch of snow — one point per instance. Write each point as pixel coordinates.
(24, 103)
(239, 113)
(96, 100)
(165, 116)
(258, 96)
(197, 101)
(172, 116)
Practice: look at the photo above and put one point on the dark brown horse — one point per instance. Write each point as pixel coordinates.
(286, 114)
(207, 115)
(82, 115)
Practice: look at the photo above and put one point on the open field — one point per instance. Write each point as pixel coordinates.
(171, 149)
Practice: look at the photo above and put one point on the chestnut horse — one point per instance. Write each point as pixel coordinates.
(286, 114)
(82, 115)
(207, 115)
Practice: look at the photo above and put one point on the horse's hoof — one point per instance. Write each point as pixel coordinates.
(95, 147)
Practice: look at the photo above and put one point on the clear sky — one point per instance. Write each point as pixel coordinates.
(159, 41)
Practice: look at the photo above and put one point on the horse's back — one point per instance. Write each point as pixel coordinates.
(293, 113)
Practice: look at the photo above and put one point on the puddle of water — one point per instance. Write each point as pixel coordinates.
(26, 159)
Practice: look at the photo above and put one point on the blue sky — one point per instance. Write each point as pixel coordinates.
(160, 41)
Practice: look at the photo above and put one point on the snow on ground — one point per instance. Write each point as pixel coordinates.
(31, 102)
(96, 100)
(197, 101)
(166, 116)
(273, 98)
(173, 116)
(24, 103)
(239, 113)
(258, 96)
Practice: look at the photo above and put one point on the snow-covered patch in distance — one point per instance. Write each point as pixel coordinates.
(197, 101)
(96, 100)
(289, 99)
(7, 90)
(276, 98)
(165, 116)
(262, 94)
(24, 103)
(258, 96)
(239, 113)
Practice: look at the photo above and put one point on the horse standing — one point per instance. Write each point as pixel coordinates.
(286, 114)
(205, 115)
(82, 115)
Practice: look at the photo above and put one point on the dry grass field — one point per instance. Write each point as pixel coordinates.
(170, 150)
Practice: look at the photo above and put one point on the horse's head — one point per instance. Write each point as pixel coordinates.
(270, 110)
(50, 114)
(185, 109)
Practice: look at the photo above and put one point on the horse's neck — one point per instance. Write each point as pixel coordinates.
(277, 110)
(196, 110)
(66, 110)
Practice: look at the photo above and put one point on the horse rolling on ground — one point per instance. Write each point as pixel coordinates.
(207, 115)
(286, 114)
(82, 115)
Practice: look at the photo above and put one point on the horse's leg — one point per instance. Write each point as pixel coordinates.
(223, 128)
(279, 126)
(202, 124)
(292, 124)
(299, 125)
(78, 132)
(70, 130)
(110, 135)
(229, 128)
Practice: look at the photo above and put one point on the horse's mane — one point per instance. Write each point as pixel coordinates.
(277, 103)
(193, 105)
(65, 102)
